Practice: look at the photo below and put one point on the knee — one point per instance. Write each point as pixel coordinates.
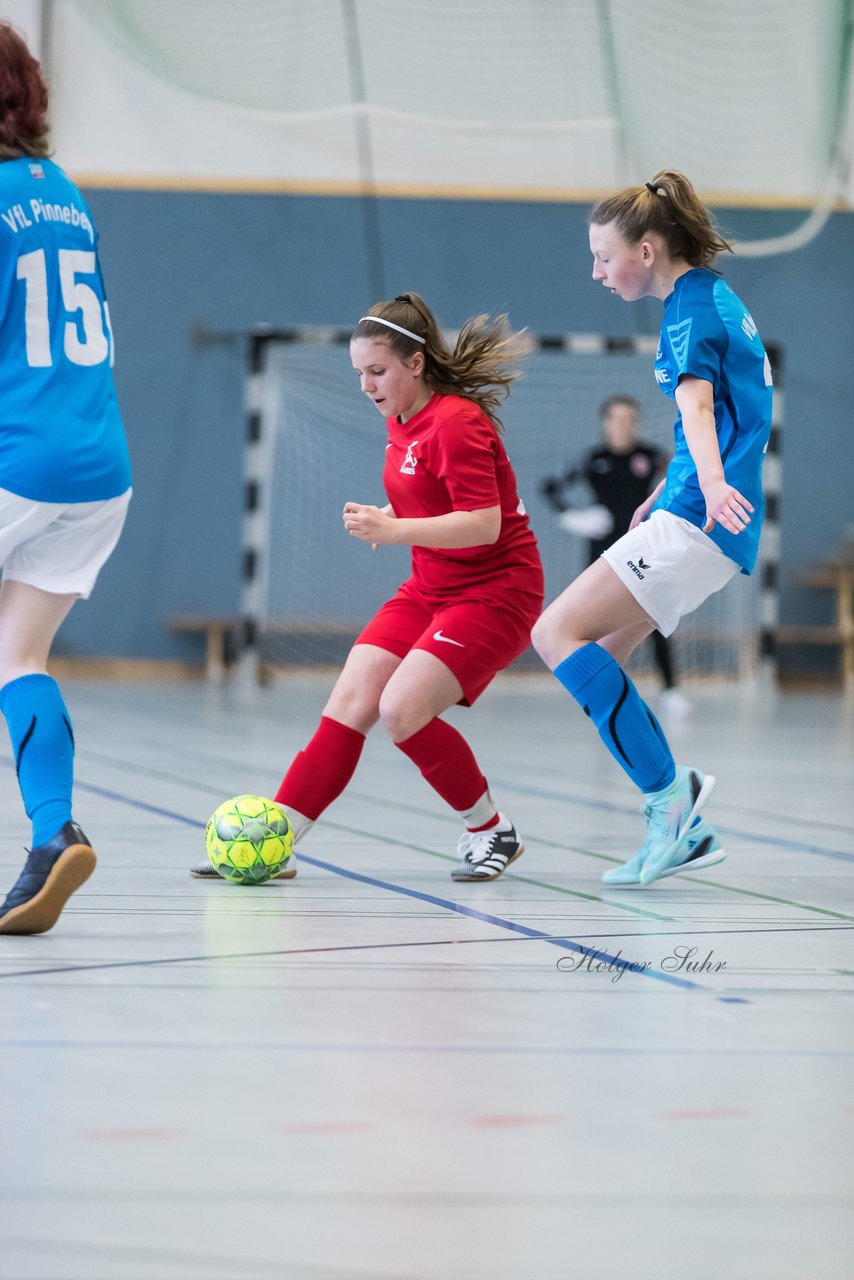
(553, 640)
(399, 717)
(354, 707)
(549, 641)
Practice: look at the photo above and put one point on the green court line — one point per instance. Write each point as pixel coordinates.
(540, 884)
(164, 775)
(591, 780)
(767, 897)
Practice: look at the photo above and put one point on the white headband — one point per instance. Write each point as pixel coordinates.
(391, 325)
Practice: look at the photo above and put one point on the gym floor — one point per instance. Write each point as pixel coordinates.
(373, 1073)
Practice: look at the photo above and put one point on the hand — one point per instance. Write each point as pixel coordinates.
(369, 524)
(725, 506)
(643, 511)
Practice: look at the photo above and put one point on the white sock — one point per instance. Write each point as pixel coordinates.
(299, 822)
(482, 812)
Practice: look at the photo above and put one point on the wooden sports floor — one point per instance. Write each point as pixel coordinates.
(372, 1073)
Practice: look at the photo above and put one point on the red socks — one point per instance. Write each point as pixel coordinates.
(322, 770)
(447, 762)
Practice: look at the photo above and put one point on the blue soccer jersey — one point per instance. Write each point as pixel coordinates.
(708, 333)
(61, 435)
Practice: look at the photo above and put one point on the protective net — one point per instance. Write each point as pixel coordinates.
(749, 99)
(328, 446)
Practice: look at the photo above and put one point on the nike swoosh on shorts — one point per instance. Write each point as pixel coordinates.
(437, 635)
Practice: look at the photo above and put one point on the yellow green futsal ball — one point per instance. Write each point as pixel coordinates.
(249, 839)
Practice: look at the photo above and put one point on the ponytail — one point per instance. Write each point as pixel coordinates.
(670, 207)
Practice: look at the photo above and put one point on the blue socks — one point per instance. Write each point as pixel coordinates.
(626, 725)
(43, 743)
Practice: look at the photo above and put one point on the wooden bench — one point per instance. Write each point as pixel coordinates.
(224, 634)
(837, 577)
(220, 634)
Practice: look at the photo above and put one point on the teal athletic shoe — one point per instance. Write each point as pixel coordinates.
(702, 849)
(669, 815)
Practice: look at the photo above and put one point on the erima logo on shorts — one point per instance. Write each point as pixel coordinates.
(637, 568)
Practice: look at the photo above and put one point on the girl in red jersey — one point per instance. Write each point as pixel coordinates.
(476, 587)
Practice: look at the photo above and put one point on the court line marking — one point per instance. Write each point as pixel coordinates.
(583, 801)
(794, 819)
(514, 1050)
(797, 846)
(606, 901)
(609, 901)
(195, 1261)
(524, 788)
(596, 953)
(539, 884)
(444, 904)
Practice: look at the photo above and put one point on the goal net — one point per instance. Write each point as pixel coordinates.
(323, 445)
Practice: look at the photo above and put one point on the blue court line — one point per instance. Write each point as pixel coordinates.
(446, 905)
(273, 1046)
(566, 944)
(608, 806)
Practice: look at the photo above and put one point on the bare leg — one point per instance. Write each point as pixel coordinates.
(420, 689)
(595, 608)
(355, 700)
(29, 621)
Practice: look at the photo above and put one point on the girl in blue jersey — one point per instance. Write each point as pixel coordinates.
(700, 525)
(64, 471)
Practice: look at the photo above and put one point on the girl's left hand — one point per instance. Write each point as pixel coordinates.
(725, 506)
(369, 524)
(643, 511)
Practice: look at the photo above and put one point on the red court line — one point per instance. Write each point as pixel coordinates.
(499, 1121)
(706, 1113)
(162, 1134)
(326, 1126)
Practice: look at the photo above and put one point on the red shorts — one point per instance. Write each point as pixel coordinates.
(474, 638)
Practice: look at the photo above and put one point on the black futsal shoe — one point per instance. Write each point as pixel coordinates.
(51, 874)
(486, 854)
(207, 871)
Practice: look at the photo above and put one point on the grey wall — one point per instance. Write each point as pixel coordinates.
(176, 264)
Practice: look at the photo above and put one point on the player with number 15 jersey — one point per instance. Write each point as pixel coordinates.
(64, 471)
(61, 435)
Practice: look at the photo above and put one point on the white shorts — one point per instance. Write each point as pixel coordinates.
(59, 547)
(670, 567)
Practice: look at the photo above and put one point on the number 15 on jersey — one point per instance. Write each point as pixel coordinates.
(81, 303)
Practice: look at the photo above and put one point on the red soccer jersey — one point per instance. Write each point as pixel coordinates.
(449, 457)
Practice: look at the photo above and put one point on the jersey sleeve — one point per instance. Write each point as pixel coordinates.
(698, 343)
(463, 454)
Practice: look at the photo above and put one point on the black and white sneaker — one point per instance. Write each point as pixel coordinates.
(486, 854)
(206, 871)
